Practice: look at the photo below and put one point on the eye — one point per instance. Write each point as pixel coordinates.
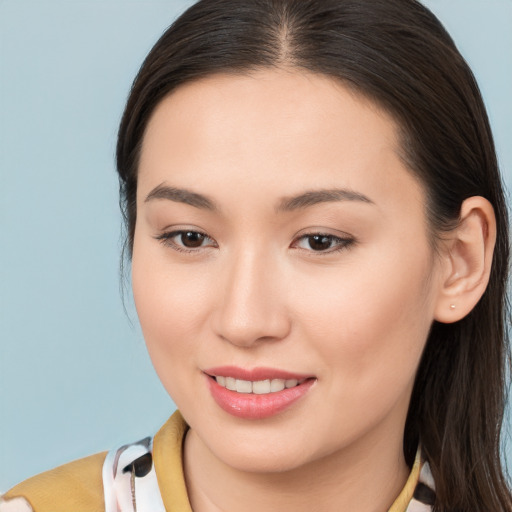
(186, 240)
(319, 242)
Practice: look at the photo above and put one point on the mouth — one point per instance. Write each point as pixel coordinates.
(256, 394)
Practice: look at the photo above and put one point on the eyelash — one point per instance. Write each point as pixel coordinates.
(340, 243)
(167, 240)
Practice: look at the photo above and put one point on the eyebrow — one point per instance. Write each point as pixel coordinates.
(314, 197)
(287, 204)
(181, 195)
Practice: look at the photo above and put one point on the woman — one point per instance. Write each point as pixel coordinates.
(319, 249)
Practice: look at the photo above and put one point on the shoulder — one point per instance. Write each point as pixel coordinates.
(111, 480)
(76, 486)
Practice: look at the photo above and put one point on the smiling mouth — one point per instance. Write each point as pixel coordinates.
(256, 393)
(258, 387)
(264, 395)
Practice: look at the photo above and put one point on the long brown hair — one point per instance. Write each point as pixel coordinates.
(398, 54)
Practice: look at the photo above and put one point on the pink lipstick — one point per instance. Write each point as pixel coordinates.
(257, 393)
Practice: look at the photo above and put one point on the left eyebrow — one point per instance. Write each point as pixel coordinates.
(314, 197)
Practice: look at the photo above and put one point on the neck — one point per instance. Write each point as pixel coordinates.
(367, 477)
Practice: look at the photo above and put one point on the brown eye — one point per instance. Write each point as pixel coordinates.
(186, 241)
(192, 239)
(320, 242)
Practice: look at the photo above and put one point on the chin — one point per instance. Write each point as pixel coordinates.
(262, 461)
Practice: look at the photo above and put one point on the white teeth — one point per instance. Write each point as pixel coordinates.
(276, 385)
(291, 383)
(243, 386)
(260, 387)
(230, 383)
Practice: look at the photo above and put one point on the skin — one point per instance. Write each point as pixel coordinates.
(255, 293)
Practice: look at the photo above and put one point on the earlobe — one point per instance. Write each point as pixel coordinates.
(466, 260)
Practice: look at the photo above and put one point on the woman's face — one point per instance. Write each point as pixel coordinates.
(280, 238)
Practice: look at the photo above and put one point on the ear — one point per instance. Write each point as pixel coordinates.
(466, 260)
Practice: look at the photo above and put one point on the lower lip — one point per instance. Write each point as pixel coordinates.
(256, 407)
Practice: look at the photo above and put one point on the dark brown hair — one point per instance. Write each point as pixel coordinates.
(396, 53)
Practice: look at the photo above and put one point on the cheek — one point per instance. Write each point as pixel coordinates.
(172, 305)
(373, 319)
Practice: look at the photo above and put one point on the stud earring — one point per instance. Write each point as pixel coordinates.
(452, 306)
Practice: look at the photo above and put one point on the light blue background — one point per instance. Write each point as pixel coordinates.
(74, 375)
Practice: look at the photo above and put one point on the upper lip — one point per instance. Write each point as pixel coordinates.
(254, 374)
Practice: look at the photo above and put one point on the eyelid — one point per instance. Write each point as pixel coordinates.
(165, 238)
(344, 241)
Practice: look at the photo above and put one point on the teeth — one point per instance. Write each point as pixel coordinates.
(230, 383)
(291, 383)
(277, 385)
(243, 386)
(260, 387)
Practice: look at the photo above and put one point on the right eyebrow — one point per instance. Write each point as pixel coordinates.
(181, 195)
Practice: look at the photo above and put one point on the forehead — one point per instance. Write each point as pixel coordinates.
(287, 102)
(277, 130)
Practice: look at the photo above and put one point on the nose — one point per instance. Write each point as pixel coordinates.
(252, 305)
